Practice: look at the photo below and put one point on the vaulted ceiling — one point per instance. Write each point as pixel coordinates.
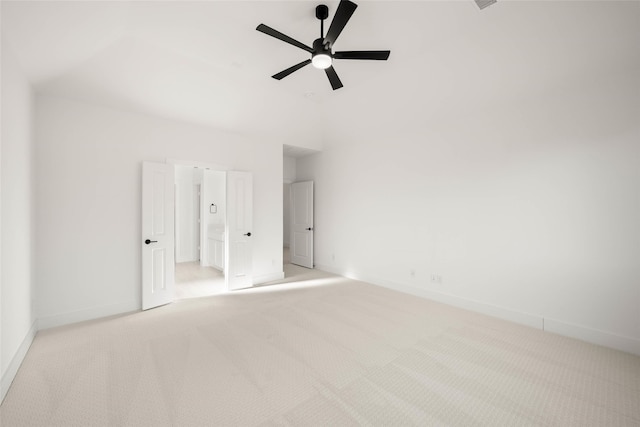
(204, 62)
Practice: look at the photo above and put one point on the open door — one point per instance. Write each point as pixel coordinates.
(238, 238)
(302, 224)
(157, 234)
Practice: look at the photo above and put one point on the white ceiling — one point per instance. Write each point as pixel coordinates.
(204, 62)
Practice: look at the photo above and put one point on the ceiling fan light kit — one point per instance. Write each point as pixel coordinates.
(321, 61)
(322, 55)
(321, 58)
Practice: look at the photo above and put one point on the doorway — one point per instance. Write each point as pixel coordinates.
(200, 221)
(298, 199)
(159, 242)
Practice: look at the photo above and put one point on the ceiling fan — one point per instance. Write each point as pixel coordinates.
(321, 53)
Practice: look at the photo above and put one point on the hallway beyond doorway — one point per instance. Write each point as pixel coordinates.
(194, 281)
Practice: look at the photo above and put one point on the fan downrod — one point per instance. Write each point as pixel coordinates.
(322, 13)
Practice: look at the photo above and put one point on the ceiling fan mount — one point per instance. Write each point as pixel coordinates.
(321, 53)
(322, 12)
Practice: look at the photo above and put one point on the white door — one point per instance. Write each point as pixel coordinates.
(239, 234)
(157, 234)
(301, 245)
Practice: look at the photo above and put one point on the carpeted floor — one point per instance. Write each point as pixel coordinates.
(318, 350)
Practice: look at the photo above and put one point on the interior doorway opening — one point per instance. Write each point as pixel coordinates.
(298, 200)
(200, 219)
(233, 226)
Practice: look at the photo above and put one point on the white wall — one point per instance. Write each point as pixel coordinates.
(528, 211)
(17, 314)
(89, 170)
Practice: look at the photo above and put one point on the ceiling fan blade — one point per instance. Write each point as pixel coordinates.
(333, 78)
(277, 34)
(340, 19)
(381, 55)
(282, 74)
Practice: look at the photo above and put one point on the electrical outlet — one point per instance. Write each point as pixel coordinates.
(412, 272)
(436, 278)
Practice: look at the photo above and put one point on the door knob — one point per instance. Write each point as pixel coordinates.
(248, 234)
(150, 241)
(310, 228)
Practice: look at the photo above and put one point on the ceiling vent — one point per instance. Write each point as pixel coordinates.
(484, 3)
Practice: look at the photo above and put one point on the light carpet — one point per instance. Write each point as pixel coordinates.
(319, 350)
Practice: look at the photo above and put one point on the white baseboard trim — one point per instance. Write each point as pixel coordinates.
(16, 361)
(87, 314)
(184, 259)
(268, 277)
(477, 306)
(594, 336)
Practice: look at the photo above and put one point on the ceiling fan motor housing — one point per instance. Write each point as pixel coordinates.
(319, 46)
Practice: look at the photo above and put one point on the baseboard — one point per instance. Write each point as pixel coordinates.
(181, 260)
(16, 361)
(264, 278)
(330, 269)
(87, 314)
(594, 336)
(477, 306)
